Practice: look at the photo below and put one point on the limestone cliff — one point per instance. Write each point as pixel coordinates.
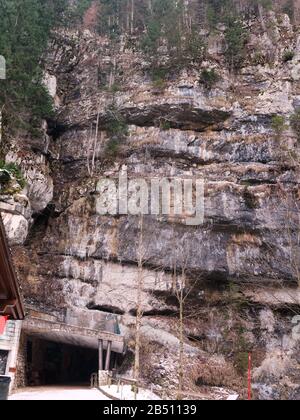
(243, 260)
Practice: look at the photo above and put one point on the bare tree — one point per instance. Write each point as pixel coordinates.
(93, 143)
(140, 287)
(132, 16)
(143, 261)
(182, 289)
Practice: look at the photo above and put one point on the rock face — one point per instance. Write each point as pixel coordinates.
(247, 245)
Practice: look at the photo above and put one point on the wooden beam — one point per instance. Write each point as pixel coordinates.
(9, 307)
(9, 286)
(108, 356)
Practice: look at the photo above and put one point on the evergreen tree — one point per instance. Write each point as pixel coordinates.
(236, 37)
(25, 29)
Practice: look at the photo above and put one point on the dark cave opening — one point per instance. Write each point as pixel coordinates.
(197, 338)
(55, 129)
(3, 361)
(40, 225)
(105, 308)
(50, 363)
(201, 382)
(156, 312)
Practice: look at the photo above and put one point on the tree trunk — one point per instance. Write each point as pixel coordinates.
(139, 312)
(181, 347)
(132, 17)
(261, 17)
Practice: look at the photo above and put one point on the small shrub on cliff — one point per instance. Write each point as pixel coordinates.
(165, 125)
(279, 124)
(159, 84)
(158, 73)
(117, 130)
(112, 148)
(295, 122)
(116, 127)
(209, 77)
(288, 56)
(14, 171)
(259, 59)
(241, 362)
(159, 76)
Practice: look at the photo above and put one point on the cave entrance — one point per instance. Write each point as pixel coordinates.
(52, 363)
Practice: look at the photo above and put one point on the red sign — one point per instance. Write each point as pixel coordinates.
(3, 320)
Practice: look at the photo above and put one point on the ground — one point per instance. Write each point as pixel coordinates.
(72, 393)
(58, 394)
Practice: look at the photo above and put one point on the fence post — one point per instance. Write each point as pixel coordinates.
(249, 377)
(108, 356)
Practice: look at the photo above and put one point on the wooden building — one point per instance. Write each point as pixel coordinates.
(10, 298)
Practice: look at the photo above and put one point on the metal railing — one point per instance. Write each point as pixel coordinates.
(120, 382)
(94, 381)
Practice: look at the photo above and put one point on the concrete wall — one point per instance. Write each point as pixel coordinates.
(9, 342)
(21, 380)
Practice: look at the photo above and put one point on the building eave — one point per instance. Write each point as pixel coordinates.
(11, 303)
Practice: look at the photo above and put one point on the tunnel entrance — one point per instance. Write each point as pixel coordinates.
(52, 363)
(52, 352)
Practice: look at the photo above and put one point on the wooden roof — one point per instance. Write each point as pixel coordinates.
(10, 297)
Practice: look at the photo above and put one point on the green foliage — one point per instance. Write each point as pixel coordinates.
(163, 21)
(158, 73)
(115, 88)
(236, 38)
(288, 56)
(193, 46)
(266, 4)
(217, 11)
(209, 77)
(25, 29)
(80, 8)
(279, 124)
(168, 36)
(159, 76)
(14, 171)
(117, 130)
(259, 59)
(295, 122)
(241, 362)
(289, 9)
(110, 17)
(112, 148)
(150, 42)
(117, 127)
(159, 84)
(165, 125)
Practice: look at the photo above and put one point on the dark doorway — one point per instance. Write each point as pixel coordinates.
(3, 361)
(50, 363)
